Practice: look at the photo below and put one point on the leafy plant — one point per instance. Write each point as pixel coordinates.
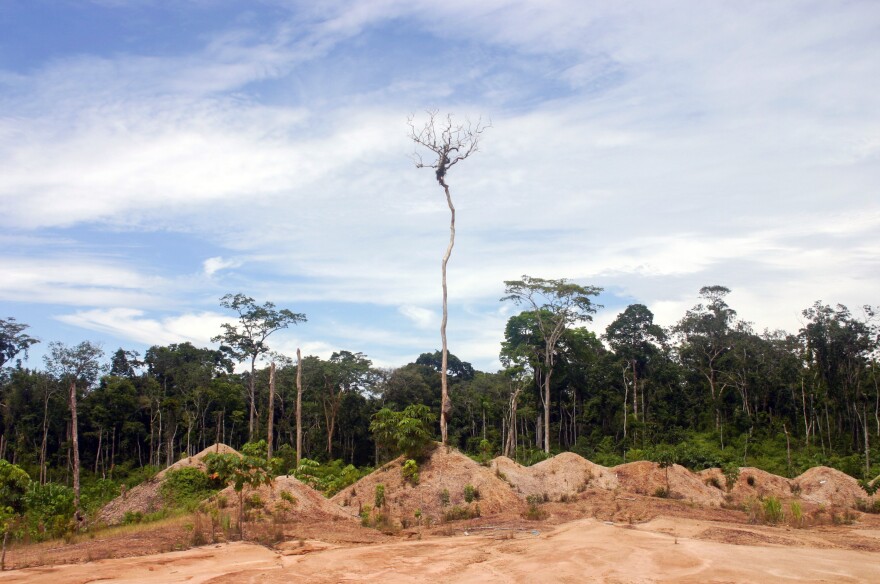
(238, 471)
(410, 472)
(773, 510)
(380, 496)
(444, 497)
(470, 493)
(408, 432)
(185, 487)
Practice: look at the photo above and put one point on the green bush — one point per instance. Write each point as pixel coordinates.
(444, 497)
(773, 511)
(49, 509)
(185, 487)
(380, 496)
(411, 472)
(470, 493)
(330, 477)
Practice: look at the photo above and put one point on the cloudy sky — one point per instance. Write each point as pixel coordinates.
(157, 155)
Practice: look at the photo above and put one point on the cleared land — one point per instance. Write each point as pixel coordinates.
(563, 520)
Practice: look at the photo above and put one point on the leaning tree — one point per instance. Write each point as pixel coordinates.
(555, 305)
(447, 143)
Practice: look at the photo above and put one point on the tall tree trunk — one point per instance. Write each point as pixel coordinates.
(74, 438)
(252, 390)
(446, 405)
(271, 408)
(299, 393)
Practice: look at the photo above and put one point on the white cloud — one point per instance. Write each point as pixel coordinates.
(132, 325)
(213, 265)
(421, 317)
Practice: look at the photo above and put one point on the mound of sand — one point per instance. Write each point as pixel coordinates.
(197, 460)
(286, 496)
(647, 478)
(147, 497)
(752, 483)
(827, 486)
(563, 475)
(441, 489)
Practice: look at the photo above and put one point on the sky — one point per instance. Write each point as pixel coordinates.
(156, 155)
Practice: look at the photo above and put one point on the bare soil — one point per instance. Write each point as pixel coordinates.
(598, 525)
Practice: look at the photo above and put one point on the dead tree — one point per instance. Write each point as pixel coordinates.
(448, 144)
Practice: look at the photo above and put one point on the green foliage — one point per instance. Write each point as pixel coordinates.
(329, 478)
(731, 474)
(773, 511)
(470, 493)
(796, 514)
(238, 471)
(535, 512)
(444, 497)
(457, 513)
(14, 482)
(97, 492)
(380, 496)
(410, 472)
(407, 432)
(185, 487)
(49, 509)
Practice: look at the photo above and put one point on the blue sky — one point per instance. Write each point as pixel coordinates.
(157, 155)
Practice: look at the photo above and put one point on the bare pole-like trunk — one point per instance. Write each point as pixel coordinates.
(74, 438)
(271, 408)
(446, 406)
(299, 393)
(253, 392)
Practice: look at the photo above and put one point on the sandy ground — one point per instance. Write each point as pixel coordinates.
(585, 550)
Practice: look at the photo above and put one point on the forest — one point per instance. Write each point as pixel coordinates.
(708, 391)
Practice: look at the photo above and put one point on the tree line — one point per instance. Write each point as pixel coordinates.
(710, 384)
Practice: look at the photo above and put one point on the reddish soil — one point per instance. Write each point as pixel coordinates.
(441, 490)
(599, 525)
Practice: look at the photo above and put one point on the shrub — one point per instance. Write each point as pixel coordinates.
(185, 487)
(456, 513)
(470, 493)
(772, 511)
(330, 477)
(287, 496)
(444, 497)
(535, 512)
(662, 493)
(796, 517)
(380, 496)
(410, 472)
(731, 474)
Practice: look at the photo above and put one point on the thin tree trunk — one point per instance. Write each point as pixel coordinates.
(253, 392)
(299, 393)
(446, 405)
(271, 408)
(74, 436)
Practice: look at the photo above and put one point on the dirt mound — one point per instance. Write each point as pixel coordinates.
(147, 497)
(440, 494)
(647, 478)
(560, 476)
(752, 483)
(827, 486)
(197, 460)
(286, 497)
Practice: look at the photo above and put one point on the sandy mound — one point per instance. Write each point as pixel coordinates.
(197, 460)
(440, 492)
(828, 486)
(286, 497)
(646, 478)
(752, 483)
(147, 497)
(563, 475)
